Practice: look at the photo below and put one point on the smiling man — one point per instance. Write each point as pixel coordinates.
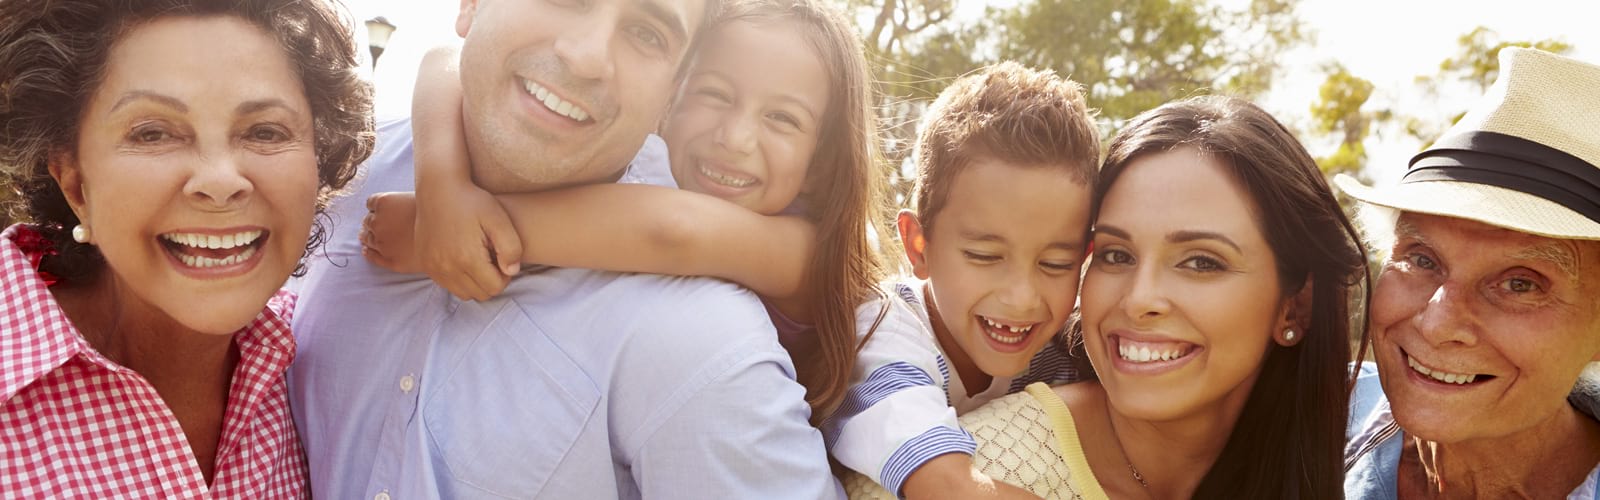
(572, 383)
(1484, 316)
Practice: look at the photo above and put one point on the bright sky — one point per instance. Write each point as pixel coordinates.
(1389, 42)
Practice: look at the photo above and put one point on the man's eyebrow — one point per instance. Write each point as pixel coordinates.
(131, 96)
(667, 17)
(1554, 253)
(1405, 229)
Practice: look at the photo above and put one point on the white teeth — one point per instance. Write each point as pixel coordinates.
(1012, 329)
(1005, 339)
(209, 262)
(1442, 376)
(554, 103)
(1144, 354)
(214, 242)
(995, 331)
(726, 180)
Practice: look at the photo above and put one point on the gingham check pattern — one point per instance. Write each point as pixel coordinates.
(75, 425)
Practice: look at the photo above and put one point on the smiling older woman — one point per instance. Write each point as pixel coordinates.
(1485, 314)
(170, 156)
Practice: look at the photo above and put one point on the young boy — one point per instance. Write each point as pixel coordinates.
(1006, 164)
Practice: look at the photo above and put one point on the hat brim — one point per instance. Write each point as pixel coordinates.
(1490, 205)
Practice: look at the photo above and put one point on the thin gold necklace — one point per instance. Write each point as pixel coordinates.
(1110, 422)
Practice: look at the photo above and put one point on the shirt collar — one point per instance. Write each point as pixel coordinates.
(270, 330)
(35, 335)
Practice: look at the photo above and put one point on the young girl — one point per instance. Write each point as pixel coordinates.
(773, 123)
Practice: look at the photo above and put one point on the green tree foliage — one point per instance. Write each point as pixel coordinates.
(1130, 55)
(1135, 55)
(1338, 112)
(1477, 61)
(913, 45)
(1471, 70)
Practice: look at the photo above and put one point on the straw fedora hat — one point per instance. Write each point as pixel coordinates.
(1526, 157)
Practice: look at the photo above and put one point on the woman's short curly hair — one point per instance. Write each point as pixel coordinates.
(53, 57)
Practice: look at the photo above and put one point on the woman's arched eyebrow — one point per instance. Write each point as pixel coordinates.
(136, 95)
(259, 105)
(1184, 236)
(1190, 235)
(1112, 231)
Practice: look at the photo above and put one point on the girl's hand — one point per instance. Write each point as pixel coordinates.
(386, 232)
(465, 241)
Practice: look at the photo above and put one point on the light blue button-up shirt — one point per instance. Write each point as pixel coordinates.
(572, 384)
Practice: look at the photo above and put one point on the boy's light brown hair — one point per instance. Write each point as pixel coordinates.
(1009, 113)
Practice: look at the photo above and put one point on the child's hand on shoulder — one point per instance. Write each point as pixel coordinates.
(386, 232)
(465, 241)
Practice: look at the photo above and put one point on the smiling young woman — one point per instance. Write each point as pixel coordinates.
(1216, 313)
(1217, 301)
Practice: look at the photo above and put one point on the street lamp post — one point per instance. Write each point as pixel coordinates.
(378, 31)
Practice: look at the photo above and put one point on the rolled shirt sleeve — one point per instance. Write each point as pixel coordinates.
(897, 415)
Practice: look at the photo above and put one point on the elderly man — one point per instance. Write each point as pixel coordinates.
(573, 383)
(1486, 313)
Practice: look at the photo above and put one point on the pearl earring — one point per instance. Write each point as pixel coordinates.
(80, 233)
(1288, 335)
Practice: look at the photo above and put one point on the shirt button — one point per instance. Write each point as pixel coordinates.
(407, 383)
(382, 495)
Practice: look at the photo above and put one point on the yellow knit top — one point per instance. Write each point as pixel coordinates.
(1027, 439)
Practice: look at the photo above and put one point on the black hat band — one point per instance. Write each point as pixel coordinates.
(1513, 163)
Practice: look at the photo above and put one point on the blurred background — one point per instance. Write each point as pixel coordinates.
(1364, 83)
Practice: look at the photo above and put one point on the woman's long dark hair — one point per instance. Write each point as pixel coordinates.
(1289, 440)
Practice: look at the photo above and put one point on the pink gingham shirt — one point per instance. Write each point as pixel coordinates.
(75, 425)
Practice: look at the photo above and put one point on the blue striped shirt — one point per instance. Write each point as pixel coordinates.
(901, 410)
